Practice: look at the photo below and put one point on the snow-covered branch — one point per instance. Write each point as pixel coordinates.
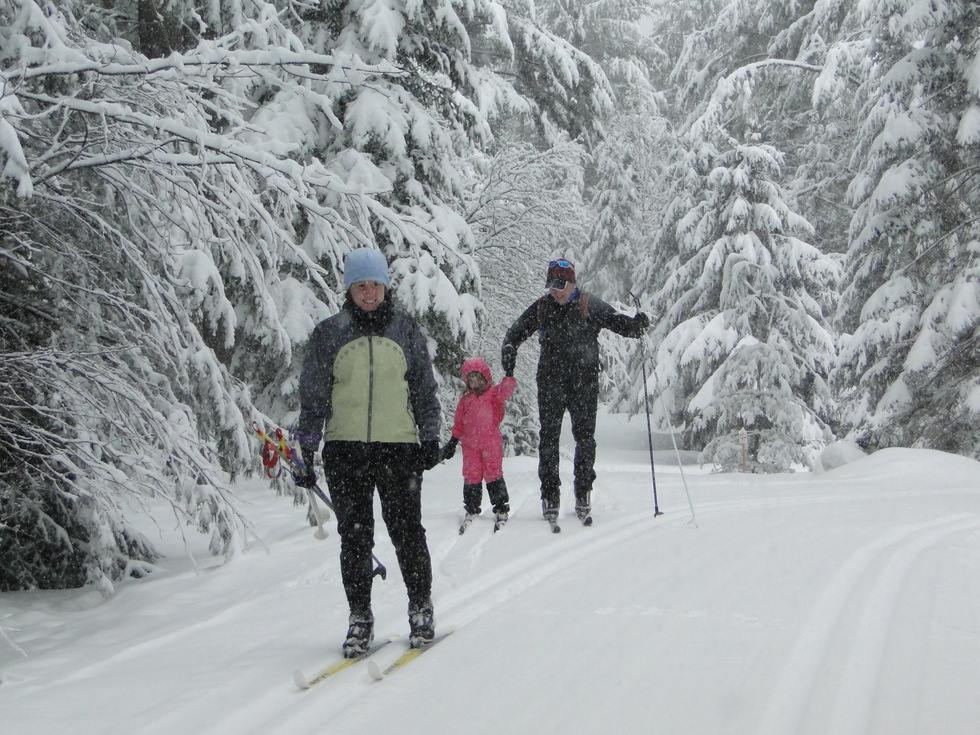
(232, 62)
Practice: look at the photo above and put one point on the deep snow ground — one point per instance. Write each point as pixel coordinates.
(843, 602)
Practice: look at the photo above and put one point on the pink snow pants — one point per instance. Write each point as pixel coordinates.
(484, 462)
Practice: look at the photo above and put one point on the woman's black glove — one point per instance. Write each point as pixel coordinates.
(429, 454)
(307, 478)
(642, 320)
(449, 449)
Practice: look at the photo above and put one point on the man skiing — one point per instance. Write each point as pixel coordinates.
(368, 390)
(568, 322)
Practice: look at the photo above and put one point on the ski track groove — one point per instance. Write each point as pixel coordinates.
(850, 712)
(456, 565)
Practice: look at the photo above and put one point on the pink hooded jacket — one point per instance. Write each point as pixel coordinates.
(478, 417)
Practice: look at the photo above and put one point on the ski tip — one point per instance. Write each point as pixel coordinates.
(375, 671)
(300, 680)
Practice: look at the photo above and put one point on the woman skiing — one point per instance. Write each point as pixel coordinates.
(367, 390)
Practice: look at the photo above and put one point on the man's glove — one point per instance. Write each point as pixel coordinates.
(429, 454)
(508, 359)
(449, 449)
(307, 479)
(642, 320)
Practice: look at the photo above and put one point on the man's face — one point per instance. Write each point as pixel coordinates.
(562, 295)
(367, 295)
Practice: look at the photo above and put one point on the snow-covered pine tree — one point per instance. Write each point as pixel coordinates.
(631, 191)
(816, 120)
(612, 33)
(619, 175)
(909, 373)
(742, 339)
(568, 90)
(789, 69)
(673, 192)
(721, 48)
(609, 261)
(628, 196)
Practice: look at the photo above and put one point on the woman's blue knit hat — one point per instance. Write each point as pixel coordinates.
(365, 264)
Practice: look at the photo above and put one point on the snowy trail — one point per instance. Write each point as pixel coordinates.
(457, 608)
(211, 616)
(791, 702)
(855, 694)
(803, 604)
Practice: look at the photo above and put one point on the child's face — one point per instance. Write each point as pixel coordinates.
(476, 382)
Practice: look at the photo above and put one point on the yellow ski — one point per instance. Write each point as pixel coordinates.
(335, 668)
(377, 673)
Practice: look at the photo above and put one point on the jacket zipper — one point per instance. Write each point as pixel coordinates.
(370, 385)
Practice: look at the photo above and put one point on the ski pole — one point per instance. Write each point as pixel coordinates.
(379, 569)
(321, 517)
(297, 467)
(646, 404)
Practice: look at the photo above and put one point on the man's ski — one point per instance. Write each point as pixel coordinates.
(377, 673)
(555, 528)
(465, 524)
(499, 523)
(299, 678)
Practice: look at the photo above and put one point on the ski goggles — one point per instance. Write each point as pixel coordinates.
(560, 273)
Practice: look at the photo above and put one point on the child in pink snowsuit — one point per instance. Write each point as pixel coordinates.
(478, 415)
